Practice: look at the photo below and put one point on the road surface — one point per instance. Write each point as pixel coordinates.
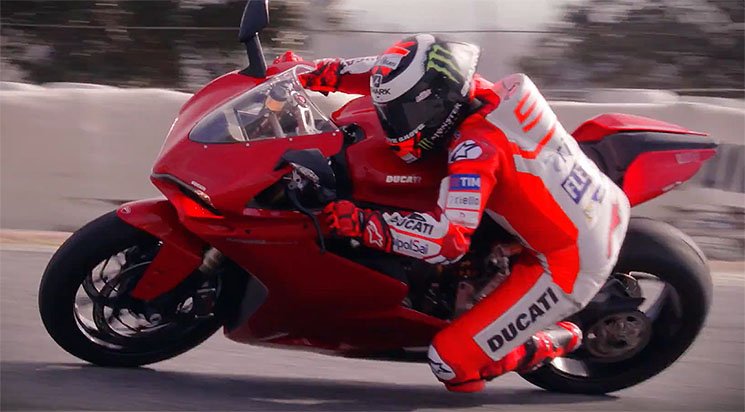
(223, 375)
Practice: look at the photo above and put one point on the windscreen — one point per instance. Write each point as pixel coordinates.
(277, 108)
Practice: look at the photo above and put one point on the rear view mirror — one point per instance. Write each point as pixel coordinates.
(255, 18)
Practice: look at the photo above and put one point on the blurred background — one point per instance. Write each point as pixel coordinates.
(676, 60)
(694, 46)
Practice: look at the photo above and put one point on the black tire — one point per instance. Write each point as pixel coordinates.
(662, 250)
(85, 249)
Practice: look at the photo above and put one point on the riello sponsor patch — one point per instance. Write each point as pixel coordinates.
(464, 200)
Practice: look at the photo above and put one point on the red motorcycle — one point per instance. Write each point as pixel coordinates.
(246, 168)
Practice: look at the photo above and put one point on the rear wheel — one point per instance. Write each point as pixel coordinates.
(628, 341)
(85, 305)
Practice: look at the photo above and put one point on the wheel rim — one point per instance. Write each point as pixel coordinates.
(621, 341)
(108, 317)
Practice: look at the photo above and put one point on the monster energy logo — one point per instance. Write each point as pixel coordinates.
(441, 60)
(425, 144)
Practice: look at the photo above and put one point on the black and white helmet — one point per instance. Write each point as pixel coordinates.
(422, 87)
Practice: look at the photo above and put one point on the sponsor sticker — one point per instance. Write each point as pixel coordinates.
(467, 218)
(409, 135)
(576, 183)
(380, 91)
(465, 182)
(464, 200)
(468, 150)
(377, 79)
(413, 223)
(411, 246)
(403, 179)
(599, 194)
(544, 304)
(391, 61)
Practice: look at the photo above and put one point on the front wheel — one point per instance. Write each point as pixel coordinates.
(628, 345)
(85, 305)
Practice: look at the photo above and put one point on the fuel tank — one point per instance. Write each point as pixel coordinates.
(378, 175)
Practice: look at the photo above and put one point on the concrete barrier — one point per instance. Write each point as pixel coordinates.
(68, 154)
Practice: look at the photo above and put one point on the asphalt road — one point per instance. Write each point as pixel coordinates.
(222, 375)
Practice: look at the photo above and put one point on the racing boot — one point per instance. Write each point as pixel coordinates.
(542, 348)
(539, 350)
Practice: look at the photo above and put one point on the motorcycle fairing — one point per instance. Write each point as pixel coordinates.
(600, 126)
(179, 255)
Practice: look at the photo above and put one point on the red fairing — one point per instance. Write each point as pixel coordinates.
(379, 175)
(609, 123)
(179, 255)
(654, 173)
(232, 173)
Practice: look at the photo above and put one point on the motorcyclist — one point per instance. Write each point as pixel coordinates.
(508, 157)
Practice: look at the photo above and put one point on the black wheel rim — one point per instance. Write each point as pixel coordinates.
(664, 312)
(109, 318)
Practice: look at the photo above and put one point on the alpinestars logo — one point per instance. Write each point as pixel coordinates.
(442, 370)
(536, 310)
(441, 60)
(373, 235)
(468, 150)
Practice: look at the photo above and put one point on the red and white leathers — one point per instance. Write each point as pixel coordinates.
(514, 161)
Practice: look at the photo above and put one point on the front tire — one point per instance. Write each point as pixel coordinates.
(656, 248)
(61, 284)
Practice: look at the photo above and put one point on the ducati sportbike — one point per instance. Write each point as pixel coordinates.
(236, 243)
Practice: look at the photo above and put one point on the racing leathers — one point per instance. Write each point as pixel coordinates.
(512, 160)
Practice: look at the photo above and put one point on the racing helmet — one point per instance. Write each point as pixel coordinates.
(421, 88)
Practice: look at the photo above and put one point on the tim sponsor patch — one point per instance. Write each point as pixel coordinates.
(465, 182)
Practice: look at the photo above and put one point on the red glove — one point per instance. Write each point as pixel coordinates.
(325, 78)
(346, 219)
(288, 56)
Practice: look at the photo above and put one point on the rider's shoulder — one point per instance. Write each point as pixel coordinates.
(516, 84)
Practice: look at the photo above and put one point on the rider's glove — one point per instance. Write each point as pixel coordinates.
(347, 220)
(325, 78)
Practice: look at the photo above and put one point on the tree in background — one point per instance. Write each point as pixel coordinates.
(155, 43)
(660, 44)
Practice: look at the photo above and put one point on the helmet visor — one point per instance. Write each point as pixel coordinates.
(403, 118)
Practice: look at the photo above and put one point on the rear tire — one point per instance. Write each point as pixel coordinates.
(660, 249)
(86, 248)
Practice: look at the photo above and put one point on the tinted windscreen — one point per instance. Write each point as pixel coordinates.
(277, 108)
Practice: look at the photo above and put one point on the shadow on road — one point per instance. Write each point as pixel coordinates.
(28, 385)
